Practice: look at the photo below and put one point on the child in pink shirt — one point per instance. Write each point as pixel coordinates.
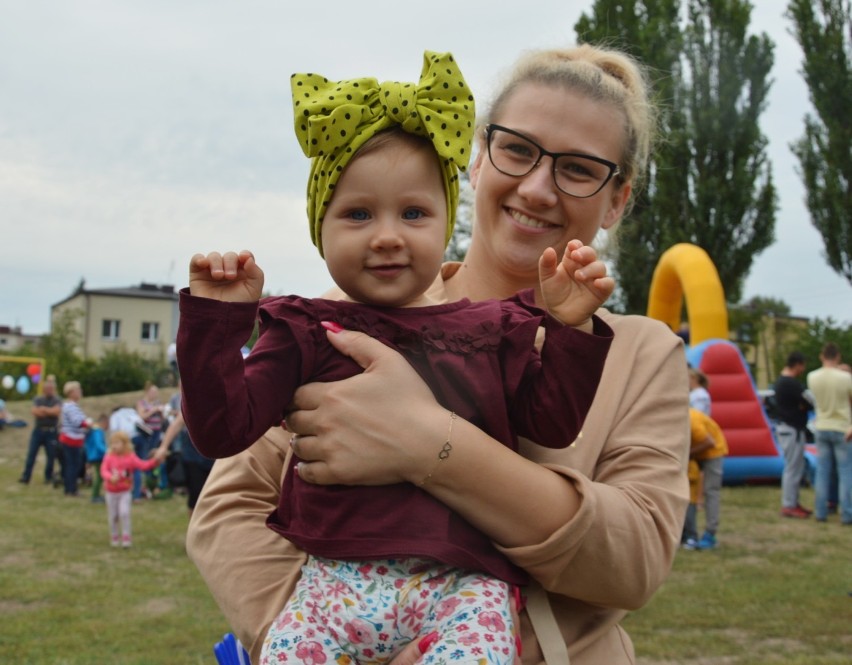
(117, 473)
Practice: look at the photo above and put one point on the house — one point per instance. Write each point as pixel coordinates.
(13, 338)
(760, 341)
(142, 319)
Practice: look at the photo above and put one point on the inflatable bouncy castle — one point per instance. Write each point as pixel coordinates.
(686, 273)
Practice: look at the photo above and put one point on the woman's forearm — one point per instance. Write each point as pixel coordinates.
(488, 484)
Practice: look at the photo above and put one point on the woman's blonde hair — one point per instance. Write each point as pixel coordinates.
(69, 386)
(605, 75)
(119, 441)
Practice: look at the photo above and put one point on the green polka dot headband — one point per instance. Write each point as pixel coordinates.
(334, 119)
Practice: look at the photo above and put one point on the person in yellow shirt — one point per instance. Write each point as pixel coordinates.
(708, 448)
(832, 391)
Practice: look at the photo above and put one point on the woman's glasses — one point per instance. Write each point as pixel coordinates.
(577, 175)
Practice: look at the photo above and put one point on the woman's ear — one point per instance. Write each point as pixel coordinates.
(618, 202)
(475, 167)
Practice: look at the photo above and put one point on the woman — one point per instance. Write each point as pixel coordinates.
(196, 467)
(72, 433)
(150, 411)
(596, 524)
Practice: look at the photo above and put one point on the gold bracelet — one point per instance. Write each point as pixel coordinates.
(445, 451)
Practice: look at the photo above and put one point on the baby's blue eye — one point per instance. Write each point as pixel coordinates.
(359, 215)
(412, 214)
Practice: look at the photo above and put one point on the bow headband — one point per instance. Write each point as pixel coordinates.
(334, 119)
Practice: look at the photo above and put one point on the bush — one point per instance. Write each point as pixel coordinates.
(118, 371)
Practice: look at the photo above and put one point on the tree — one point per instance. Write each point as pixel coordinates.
(59, 346)
(824, 31)
(709, 181)
(649, 31)
(811, 339)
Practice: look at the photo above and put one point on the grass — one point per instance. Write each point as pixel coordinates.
(775, 591)
(68, 598)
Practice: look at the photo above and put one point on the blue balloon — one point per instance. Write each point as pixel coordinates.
(23, 385)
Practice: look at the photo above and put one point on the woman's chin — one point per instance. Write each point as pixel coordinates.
(521, 260)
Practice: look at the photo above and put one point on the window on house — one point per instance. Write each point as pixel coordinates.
(110, 328)
(150, 331)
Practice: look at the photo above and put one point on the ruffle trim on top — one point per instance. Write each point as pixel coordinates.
(482, 336)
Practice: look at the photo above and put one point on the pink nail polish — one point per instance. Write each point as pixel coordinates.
(332, 326)
(424, 644)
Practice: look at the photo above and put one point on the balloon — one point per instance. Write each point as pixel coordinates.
(8, 382)
(36, 378)
(23, 385)
(33, 369)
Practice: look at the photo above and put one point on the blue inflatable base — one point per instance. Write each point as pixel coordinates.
(755, 470)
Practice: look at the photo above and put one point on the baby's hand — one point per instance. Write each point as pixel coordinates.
(230, 277)
(576, 286)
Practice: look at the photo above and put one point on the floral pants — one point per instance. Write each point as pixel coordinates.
(347, 612)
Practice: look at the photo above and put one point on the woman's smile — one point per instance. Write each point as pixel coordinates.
(530, 222)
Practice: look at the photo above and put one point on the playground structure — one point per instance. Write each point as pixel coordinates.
(685, 272)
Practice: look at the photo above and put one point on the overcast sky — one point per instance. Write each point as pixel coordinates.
(133, 134)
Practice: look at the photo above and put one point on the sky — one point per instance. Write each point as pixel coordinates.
(135, 134)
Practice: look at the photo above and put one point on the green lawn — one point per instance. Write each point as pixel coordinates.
(68, 598)
(775, 591)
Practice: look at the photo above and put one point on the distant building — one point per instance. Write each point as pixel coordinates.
(12, 339)
(766, 345)
(142, 319)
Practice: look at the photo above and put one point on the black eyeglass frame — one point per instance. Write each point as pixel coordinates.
(614, 169)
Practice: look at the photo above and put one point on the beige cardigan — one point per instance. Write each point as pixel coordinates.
(629, 466)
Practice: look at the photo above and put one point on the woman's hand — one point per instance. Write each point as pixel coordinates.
(159, 453)
(364, 430)
(230, 277)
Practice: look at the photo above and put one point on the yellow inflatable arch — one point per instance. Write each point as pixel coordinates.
(686, 270)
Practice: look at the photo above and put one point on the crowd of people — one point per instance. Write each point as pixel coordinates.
(817, 411)
(120, 456)
(813, 408)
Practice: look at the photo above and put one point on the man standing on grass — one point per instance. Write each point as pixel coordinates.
(832, 390)
(792, 411)
(46, 410)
